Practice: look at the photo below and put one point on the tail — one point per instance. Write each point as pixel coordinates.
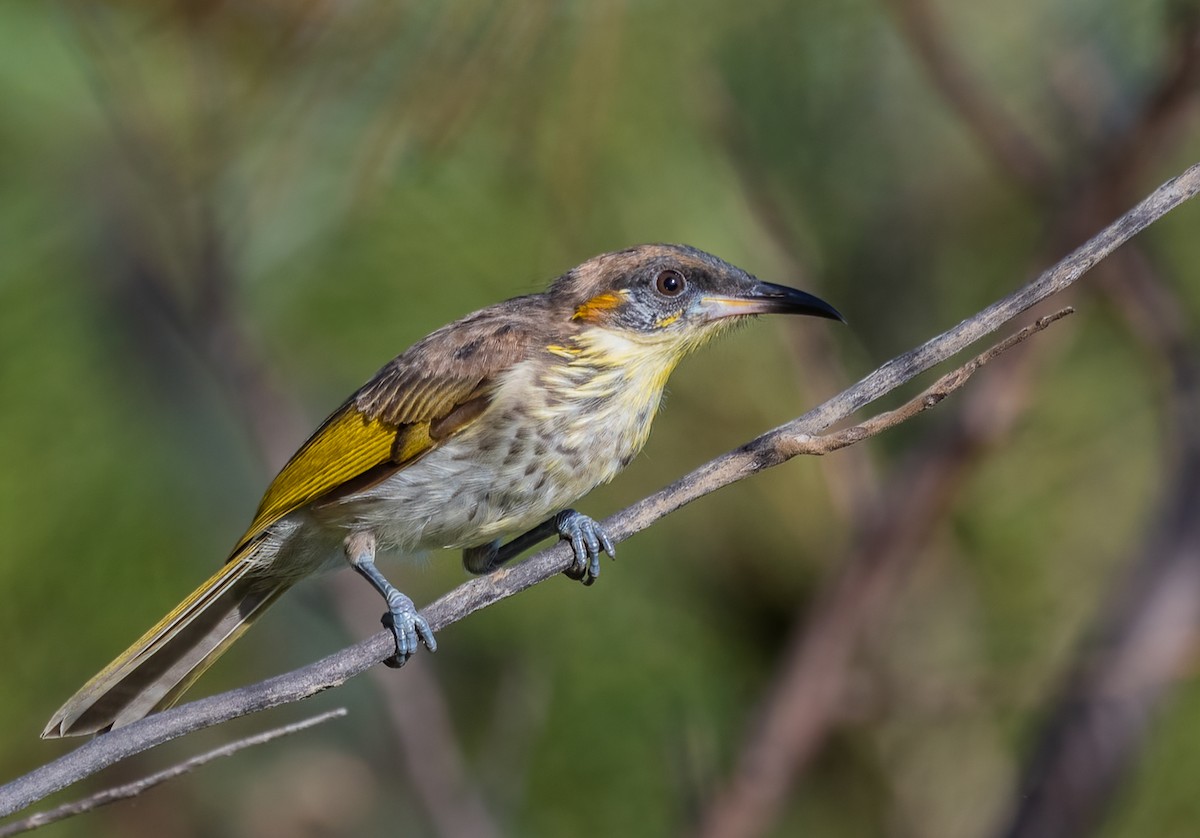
(156, 670)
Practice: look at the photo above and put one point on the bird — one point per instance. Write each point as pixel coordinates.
(489, 427)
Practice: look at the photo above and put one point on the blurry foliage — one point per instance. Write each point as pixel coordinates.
(352, 175)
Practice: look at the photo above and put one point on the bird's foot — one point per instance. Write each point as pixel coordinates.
(402, 618)
(408, 627)
(588, 541)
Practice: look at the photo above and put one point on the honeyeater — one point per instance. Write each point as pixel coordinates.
(487, 428)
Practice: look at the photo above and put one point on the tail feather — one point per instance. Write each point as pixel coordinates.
(155, 671)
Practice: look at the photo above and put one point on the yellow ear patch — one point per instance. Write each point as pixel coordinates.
(594, 308)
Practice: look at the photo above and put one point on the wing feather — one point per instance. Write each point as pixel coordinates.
(421, 398)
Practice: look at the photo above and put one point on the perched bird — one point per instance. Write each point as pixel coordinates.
(488, 427)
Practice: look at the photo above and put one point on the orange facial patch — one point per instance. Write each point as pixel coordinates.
(594, 308)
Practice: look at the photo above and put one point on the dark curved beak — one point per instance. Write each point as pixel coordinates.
(769, 298)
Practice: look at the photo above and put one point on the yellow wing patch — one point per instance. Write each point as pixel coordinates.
(347, 445)
(418, 400)
(412, 441)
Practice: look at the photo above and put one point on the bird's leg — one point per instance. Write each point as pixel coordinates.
(587, 539)
(406, 624)
(487, 557)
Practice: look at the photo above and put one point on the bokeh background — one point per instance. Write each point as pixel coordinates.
(218, 218)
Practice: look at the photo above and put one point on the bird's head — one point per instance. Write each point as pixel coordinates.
(672, 296)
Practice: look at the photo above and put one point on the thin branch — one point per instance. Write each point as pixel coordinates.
(768, 450)
(821, 444)
(128, 790)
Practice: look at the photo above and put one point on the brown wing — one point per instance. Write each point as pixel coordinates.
(433, 390)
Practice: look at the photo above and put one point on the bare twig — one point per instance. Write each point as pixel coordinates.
(128, 790)
(768, 450)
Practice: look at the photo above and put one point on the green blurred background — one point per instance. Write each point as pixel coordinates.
(219, 218)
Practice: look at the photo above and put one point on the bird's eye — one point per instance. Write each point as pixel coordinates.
(670, 283)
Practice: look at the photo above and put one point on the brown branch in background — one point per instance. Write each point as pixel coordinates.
(427, 740)
(757, 455)
(1172, 101)
(128, 790)
(852, 480)
(994, 128)
(801, 707)
(1100, 718)
(1152, 625)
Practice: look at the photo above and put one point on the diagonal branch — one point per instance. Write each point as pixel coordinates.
(768, 450)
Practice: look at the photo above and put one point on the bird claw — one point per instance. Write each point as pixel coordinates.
(408, 627)
(588, 541)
